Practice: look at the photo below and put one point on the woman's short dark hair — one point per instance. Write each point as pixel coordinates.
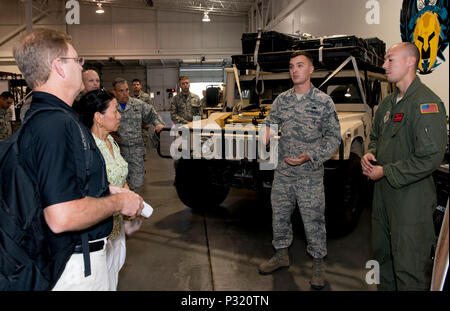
(90, 103)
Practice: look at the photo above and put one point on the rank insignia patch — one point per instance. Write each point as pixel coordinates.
(398, 117)
(429, 108)
(386, 117)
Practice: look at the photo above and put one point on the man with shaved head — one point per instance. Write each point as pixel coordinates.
(91, 80)
(407, 144)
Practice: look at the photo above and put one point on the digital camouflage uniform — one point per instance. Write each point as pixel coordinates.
(130, 138)
(408, 140)
(307, 126)
(5, 123)
(183, 108)
(144, 97)
(203, 102)
(145, 126)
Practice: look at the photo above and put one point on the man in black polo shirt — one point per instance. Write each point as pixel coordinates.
(52, 152)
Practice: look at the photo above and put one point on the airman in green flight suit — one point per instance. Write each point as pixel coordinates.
(407, 144)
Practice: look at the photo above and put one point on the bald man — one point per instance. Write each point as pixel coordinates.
(407, 144)
(91, 80)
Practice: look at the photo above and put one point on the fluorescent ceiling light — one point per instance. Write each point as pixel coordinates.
(201, 69)
(205, 17)
(347, 94)
(99, 9)
(203, 60)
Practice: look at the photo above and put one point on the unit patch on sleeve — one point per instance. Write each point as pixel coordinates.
(429, 108)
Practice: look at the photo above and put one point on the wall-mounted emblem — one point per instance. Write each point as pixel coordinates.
(425, 23)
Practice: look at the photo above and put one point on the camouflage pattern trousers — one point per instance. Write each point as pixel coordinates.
(136, 169)
(145, 133)
(308, 193)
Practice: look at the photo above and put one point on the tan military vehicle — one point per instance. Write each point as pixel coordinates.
(225, 150)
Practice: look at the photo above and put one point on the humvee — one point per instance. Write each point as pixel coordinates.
(224, 150)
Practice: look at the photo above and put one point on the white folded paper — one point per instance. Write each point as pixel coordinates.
(147, 211)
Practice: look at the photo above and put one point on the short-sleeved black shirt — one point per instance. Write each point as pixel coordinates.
(51, 149)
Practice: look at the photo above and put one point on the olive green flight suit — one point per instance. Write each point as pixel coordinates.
(408, 141)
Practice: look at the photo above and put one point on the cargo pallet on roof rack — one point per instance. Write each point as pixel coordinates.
(273, 51)
(331, 57)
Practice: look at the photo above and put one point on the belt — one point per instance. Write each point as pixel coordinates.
(93, 247)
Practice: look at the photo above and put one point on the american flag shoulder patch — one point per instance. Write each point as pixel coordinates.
(429, 108)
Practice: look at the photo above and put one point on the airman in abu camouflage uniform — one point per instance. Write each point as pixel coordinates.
(139, 94)
(310, 135)
(185, 105)
(5, 115)
(133, 112)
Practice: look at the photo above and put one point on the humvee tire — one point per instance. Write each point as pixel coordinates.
(345, 196)
(194, 185)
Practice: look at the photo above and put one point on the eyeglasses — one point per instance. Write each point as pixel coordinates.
(79, 60)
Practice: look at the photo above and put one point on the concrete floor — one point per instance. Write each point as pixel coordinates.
(179, 250)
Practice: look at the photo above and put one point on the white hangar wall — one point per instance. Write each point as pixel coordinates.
(132, 34)
(127, 33)
(150, 34)
(328, 17)
(145, 34)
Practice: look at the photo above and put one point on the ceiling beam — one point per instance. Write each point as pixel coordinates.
(19, 29)
(29, 15)
(291, 7)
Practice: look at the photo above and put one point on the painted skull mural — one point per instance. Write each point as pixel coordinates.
(425, 23)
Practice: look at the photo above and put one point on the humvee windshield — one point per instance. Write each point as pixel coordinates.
(344, 94)
(343, 90)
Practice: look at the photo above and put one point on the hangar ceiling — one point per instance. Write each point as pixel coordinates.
(218, 7)
(53, 8)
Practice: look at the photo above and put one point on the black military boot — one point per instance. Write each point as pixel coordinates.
(318, 276)
(279, 261)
